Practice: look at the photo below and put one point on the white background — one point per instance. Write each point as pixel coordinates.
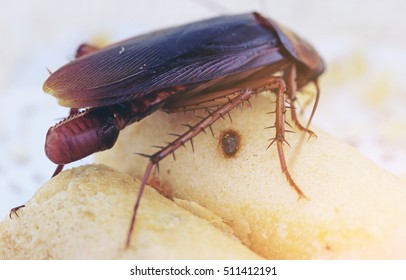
(363, 97)
(332, 270)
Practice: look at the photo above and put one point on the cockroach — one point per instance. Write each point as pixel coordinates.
(217, 63)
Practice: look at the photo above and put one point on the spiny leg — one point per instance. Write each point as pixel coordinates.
(291, 96)
(316, 102)
(296, 120)
(280, 134)
(181, 140)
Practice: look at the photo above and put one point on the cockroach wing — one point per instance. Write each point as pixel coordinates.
(184, 55)
(309, 64)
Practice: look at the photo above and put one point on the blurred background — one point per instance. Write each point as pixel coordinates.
(363, 92)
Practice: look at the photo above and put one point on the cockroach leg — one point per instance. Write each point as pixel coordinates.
(297, 123)
(185, 137)
(280, 134)
(316, 102)
(290, 76)
(14, 211)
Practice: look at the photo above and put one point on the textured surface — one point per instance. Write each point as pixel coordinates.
(84, 213)
(363, 90)
(355, 209)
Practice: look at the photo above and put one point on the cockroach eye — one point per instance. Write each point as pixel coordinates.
(230, 143)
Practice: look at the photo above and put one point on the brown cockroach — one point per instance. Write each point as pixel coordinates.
(220, 62)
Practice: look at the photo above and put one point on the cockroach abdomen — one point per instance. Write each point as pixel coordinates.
(81, 135)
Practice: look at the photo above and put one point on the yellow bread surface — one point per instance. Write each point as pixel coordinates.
(354, 208)
(84, 213)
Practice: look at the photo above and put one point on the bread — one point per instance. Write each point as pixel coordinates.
(84, 213)
(354, 208)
